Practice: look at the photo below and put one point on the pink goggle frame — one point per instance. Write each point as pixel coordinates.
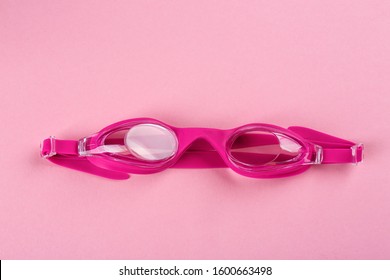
(144, 146)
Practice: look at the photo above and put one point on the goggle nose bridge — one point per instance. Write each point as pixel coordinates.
(212, 136)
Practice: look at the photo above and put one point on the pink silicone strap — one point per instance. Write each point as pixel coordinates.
(335, 150)
(65, 153)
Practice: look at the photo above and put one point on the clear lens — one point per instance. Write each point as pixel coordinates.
(151, 142)
(256, 148)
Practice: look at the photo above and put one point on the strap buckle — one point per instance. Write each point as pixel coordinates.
(48, 147)
(357, 153)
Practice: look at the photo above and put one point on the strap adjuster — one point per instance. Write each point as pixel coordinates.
(48, 147)
(357, 153)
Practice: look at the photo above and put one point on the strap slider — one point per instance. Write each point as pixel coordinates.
(48, 147)
(357, 153)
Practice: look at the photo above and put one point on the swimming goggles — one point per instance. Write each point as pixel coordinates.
(144, 146)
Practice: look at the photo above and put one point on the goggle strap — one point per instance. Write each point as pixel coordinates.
(335, 150)
(352, 155)
(65, 153)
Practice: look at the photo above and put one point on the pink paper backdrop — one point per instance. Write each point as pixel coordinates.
(69, 68)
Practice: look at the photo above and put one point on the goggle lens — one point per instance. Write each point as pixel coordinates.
(151, 142)
(257, 148)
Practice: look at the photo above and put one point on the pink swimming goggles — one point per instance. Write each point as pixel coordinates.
(144, 146)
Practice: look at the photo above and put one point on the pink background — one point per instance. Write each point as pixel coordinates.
(69, 68)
